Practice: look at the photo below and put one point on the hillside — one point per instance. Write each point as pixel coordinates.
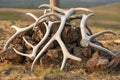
(106, 17)
(63, 3)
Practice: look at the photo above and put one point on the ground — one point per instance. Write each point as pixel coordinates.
(9, 71)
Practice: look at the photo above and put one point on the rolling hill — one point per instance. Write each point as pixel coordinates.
(63, 3)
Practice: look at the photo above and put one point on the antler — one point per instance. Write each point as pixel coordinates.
(63, 10)
(80, 17)
(18, 31)
(86, 39)
(57, 37)
(35, 48)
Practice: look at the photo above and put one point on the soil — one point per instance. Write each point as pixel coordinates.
(73, 70)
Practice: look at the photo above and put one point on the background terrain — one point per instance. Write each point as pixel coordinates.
(106, 17)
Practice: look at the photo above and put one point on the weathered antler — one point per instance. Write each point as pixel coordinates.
(57, 37)
(86, 39)
(80, 17)
(35, 48)
(63, 10)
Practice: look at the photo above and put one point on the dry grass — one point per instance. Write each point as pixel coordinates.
(101, 21)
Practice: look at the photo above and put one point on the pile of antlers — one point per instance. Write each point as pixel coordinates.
(63, 16)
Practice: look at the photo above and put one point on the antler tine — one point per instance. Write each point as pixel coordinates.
(66, 54)
(57, 37)
(46, 15)
(83, 9)
(102, 32)
(101, 48)
(41, 52)
(18, 31)
(32, 15)
(83, 24)
(28, 42)
(75, 17)
(35, 48)
(80, 17)
(54, 7)
(22, 54)
(46, 10)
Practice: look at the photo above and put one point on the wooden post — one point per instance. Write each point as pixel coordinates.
(54, 3)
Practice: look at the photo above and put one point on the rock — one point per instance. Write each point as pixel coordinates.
(115, 62)
(69, 35)
(53, 56)
(17, 41)
(11, 56)
(45, 60)
(19, 47)
(6, 72)
(46, 78)
(116, 41)
(97, 63)
(84, 53)
(54, 53)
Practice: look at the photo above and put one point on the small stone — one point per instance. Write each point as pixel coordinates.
(116, 41)
(46, 78)
(6, 72)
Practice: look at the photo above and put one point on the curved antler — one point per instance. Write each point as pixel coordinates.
(57, 37)
(63, 10)
(86, 39)
(35, 48)
(18, 31)
(32, 15)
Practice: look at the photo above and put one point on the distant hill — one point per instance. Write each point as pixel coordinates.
(63, 3)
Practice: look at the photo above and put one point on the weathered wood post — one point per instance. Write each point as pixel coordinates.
(54, 3)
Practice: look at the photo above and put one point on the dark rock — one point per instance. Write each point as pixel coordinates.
(69, 35)
(6, 72)
(46, 78)
(11, 56)
(115, 62)
(54, 53)
(84, 53)
(97, 63)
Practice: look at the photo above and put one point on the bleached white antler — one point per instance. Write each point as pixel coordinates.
(18, 31)
(74, 17)
(63, 10)
(32, 15)
(21, 30)
(57, 37)
(86, 39)
(35, 48)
